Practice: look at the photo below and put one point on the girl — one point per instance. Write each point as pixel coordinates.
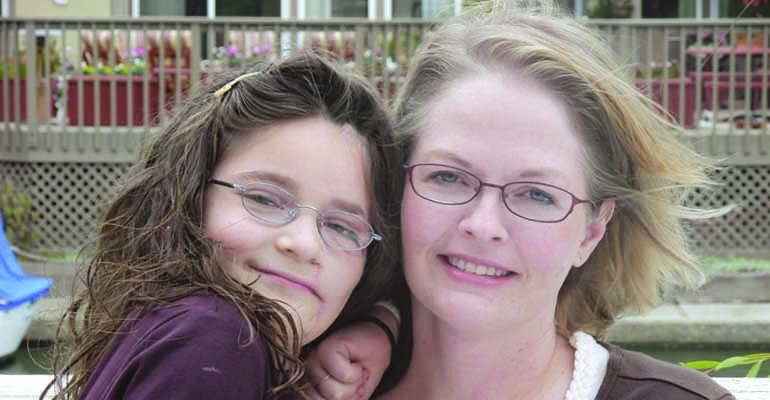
(544, 199)
(256, 218)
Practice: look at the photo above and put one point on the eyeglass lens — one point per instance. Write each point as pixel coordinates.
(274, 205)
(530, 200)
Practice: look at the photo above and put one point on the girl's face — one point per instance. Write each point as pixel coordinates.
(322, 165)
(477, 264)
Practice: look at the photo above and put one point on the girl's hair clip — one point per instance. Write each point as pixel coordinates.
(224, 89)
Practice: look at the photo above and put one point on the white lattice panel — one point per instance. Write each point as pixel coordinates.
(68, 196)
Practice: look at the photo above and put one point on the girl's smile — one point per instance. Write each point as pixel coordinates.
(287, 280)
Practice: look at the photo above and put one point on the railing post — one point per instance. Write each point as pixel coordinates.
(32, 84)
(196, 40)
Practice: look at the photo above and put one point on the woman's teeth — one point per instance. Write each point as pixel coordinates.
(476, 269)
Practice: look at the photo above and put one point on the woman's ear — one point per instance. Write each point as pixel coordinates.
(594, 232)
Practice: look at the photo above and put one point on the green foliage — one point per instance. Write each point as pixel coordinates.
(11, 65)
(755, 360)
(733, 264)
(18, 215)
(658, 70)
(611, 9)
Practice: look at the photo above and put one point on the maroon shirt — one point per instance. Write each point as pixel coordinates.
(635, 376)
(191, 350)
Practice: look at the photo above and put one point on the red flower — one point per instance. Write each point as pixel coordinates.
(755, 3)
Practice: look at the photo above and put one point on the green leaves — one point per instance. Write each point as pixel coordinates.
(710, 366)
(18, 215)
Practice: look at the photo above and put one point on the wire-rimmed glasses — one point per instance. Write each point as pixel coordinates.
(274, 205)
(534, 201)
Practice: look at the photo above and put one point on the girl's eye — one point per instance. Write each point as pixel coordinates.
(345, 233)
(262, 200)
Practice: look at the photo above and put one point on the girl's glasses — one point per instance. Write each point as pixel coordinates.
(274, 205)
(534, 201)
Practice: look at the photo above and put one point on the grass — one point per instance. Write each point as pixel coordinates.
(734, 264)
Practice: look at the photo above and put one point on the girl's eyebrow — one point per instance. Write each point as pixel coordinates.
(291, 185)
(342, 205)
(270, 177)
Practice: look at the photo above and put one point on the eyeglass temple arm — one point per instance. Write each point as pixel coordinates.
(223, 183)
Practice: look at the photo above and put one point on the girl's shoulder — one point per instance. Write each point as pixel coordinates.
(632, 375)
(200, 342)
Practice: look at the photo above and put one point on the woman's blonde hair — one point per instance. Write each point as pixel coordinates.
(632, 152)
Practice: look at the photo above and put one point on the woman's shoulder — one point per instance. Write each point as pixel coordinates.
(633, 375)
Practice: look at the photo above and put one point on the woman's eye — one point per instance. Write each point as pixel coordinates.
(444, 177)
(539, 196)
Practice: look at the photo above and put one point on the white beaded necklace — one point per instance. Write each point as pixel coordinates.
(589, 369)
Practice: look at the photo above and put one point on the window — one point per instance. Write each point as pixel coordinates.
(172, 8)
(350, 8)
(407, 9)
(253, 8)
(199, 8)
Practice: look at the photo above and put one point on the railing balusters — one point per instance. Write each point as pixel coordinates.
(380, 50)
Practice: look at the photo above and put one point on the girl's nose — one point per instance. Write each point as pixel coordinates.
(300, 238)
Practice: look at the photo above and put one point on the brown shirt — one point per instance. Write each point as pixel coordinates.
(635, 376)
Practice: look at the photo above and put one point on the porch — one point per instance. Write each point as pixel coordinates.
(79, 97)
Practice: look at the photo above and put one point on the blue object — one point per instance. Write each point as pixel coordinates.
(16, 287)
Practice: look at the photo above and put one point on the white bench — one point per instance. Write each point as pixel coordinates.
(28, 387)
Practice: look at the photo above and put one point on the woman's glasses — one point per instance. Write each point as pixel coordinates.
(534, 201)
(274, 205)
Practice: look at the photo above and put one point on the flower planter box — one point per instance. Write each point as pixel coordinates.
(103, 85)
(10, 91)
(657, 94)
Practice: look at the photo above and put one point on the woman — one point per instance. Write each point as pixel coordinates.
(544, 199)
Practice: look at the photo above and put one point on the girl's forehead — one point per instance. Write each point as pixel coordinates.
(319, 156)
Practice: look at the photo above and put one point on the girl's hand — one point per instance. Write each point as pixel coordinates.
(350, 363)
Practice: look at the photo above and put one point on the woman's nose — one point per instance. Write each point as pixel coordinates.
(485, 217)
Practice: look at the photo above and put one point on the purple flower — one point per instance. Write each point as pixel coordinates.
(256, 50)
(139, 52)
(232, 51)
(722, 38)
(265, 48)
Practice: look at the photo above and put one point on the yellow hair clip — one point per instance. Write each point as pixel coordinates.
(224, 89)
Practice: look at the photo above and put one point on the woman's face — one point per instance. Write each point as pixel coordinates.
(477, 264)
(322, 165)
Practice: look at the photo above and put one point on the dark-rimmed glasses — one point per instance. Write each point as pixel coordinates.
(534, 201)
(274, 205)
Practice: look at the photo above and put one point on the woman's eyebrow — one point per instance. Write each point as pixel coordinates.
(450, 156)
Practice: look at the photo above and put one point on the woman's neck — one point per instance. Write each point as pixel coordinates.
(470, 362)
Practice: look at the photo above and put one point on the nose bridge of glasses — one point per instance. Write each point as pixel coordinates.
(294, 212)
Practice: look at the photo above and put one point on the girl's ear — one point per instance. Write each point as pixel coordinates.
(594, 232)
